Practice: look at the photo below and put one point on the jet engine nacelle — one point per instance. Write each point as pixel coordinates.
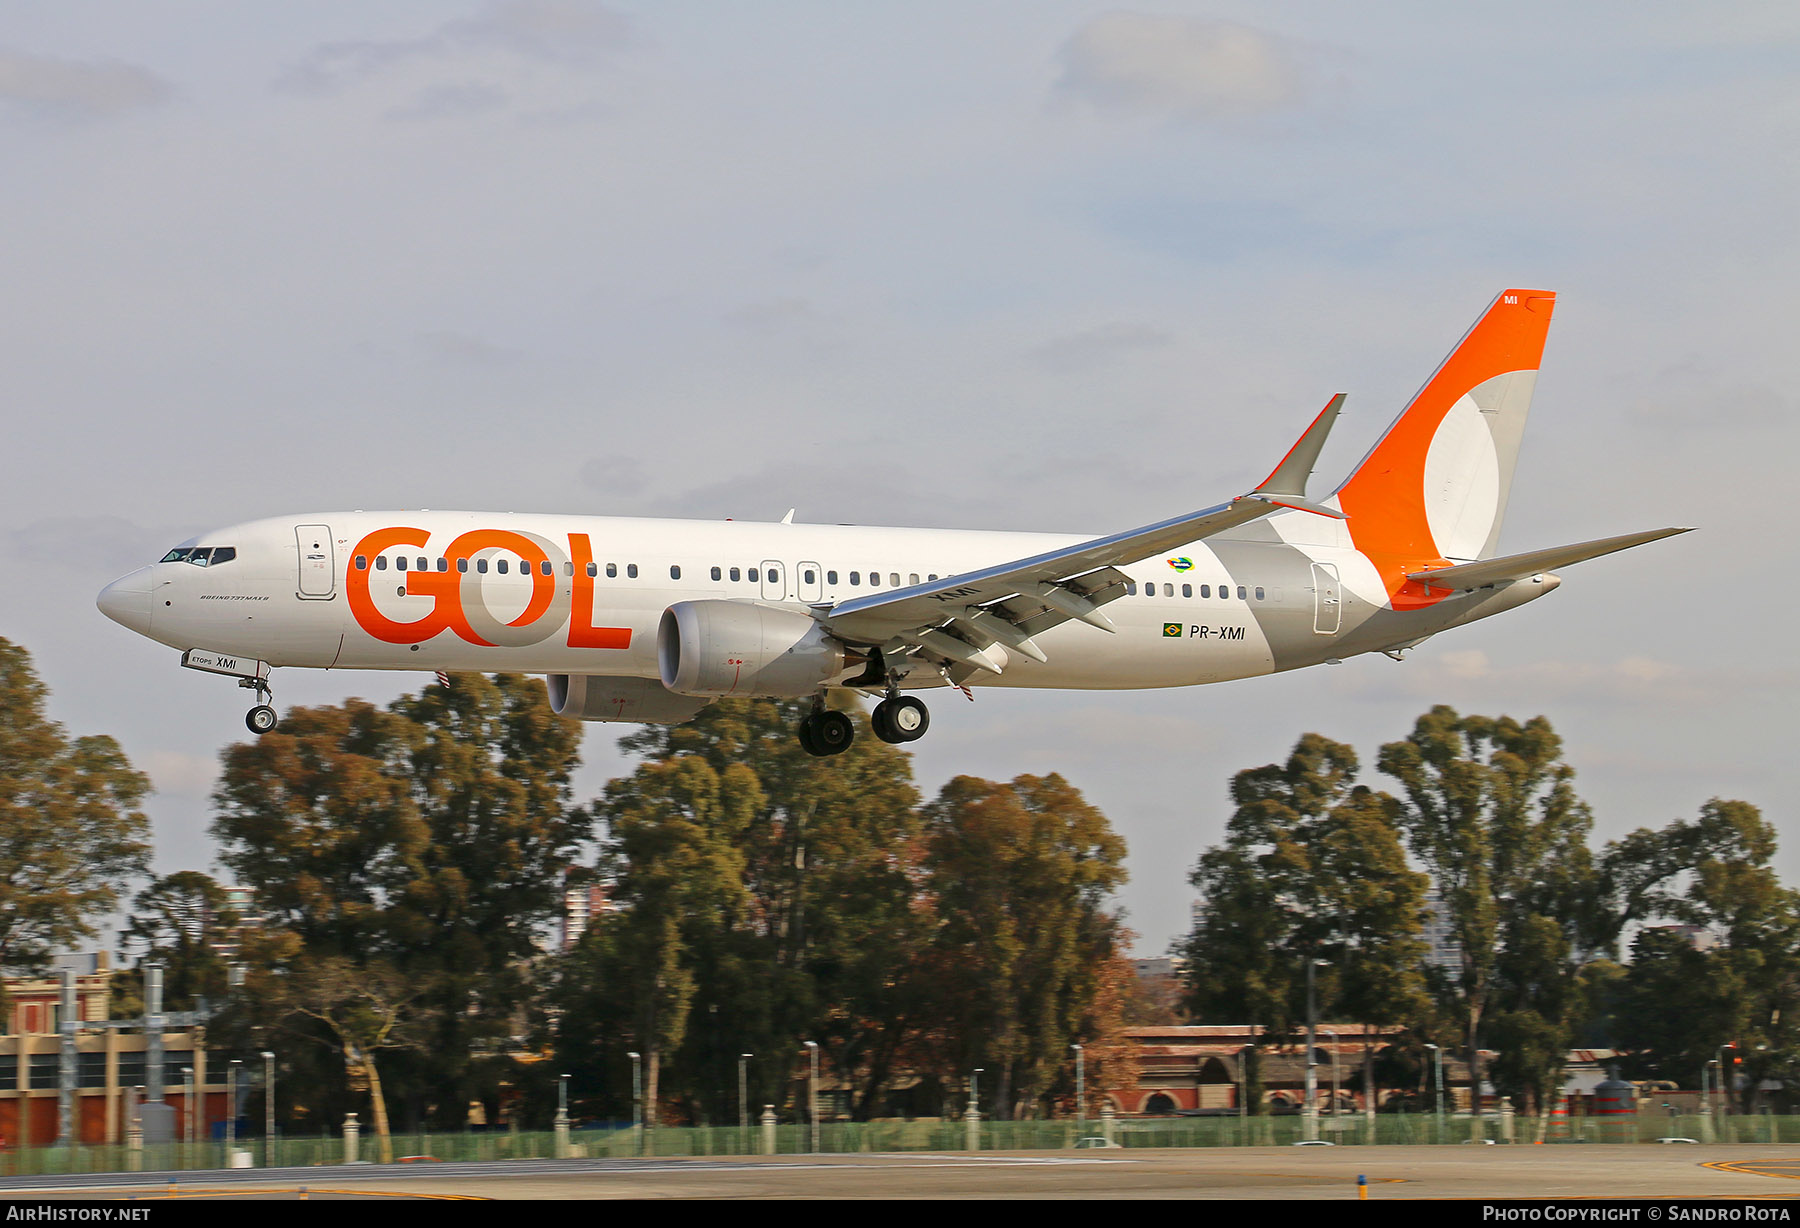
(588, 698)
(716, 648)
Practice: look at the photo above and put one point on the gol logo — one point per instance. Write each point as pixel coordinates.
(1182, 563)
(458, 604)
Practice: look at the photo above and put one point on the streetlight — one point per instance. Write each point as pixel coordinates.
(637, 1102)
(743, 1092)
(1336, 1086)
(975, 1088)
(189, 1134)
(1243, 1082)
(812, 1092)
(236, 1071)
(268, 1109)
(1312, 1025)
(1727, 1082)
(1080, 1090)
(1438, 1054)
(562, 1102)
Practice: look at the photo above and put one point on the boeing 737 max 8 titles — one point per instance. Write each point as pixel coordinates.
(651, 620)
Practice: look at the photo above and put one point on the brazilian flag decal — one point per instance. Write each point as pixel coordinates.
(1171, 631)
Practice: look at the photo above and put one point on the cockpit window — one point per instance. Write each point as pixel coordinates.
(201, 556)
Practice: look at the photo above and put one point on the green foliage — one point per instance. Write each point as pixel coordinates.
(176, 921)
(71, 832)
(430, 838)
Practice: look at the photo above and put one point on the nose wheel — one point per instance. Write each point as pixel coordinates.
(262, 718)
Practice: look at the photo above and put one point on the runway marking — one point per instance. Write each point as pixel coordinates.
(182, 1194)
(1757, 1168)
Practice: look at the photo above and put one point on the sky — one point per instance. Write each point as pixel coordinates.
(1052, 266)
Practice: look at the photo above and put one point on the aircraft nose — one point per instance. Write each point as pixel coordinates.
(127, 601)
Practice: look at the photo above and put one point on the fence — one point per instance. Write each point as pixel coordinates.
(893, 1136)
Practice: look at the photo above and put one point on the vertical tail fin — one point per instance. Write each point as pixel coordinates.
(1435, 486)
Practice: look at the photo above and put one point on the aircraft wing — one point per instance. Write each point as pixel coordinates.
(1524, 566)
(953, 621)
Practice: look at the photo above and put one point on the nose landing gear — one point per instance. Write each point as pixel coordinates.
(262, 718)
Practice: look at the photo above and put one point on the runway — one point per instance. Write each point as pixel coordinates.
(1565, 1172)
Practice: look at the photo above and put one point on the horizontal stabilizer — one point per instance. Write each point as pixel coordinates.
(1524, 566)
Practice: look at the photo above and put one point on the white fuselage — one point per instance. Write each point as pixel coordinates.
(444, 591)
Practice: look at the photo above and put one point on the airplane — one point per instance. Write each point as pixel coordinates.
(649, 620)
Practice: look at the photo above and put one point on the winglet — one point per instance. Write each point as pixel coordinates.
(1286, 485)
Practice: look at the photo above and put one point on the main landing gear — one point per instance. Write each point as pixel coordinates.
(898, 718)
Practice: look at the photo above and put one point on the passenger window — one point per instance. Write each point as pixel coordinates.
(500, 566)
(736, 575)
(1240, 592)
(612, 571)
(443, 564)
(462, 565)
(592, 571)
(631, 571)
(913, 578)
(1206, 590)
(362, 562)
(874, 579)
(481, 566)
(774, 576)
(544, 568)
(1187, 590)
(753, 573)
(675, 572)
(1131, 588)
(568, 569)
(718, 574)
(1150, 588)
(400, 563)
(1259, 592)
(894, 579)
(831, 577)
(932, 576)
(424, 563)
(856, 579)
(811, 576)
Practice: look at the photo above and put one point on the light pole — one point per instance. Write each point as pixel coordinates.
(1336, 1084)
(1438, 1054)
(743, 1091)
(637, 1102)
(1243, 1082)
(812, 1092)
(561, 1124)
(1727, 1083)
(235, 1070)
(1312, 1026)
(1080, 1090)
(268, 1109)
(190, 1134)
(975, 1088)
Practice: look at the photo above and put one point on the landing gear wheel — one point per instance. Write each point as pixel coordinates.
(261, 719)
(902, 719)
(827, 733)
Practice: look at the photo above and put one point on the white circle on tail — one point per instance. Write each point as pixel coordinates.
(1462, 481)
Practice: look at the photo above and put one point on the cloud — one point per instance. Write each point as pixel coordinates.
(1628, 681)
(461, 349)
(179, 774)
(75, 89)
(1096, 346)
(614, 475)
(571, 32)
(452, 102)
(1182, 66)
(108, 545)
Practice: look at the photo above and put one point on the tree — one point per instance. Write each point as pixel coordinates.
(1493, 815)
(71, 833)
(826, 943)
(1019, 876)
(1311, 869)
(358, 1009)
(431, 837)
(177, 921)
